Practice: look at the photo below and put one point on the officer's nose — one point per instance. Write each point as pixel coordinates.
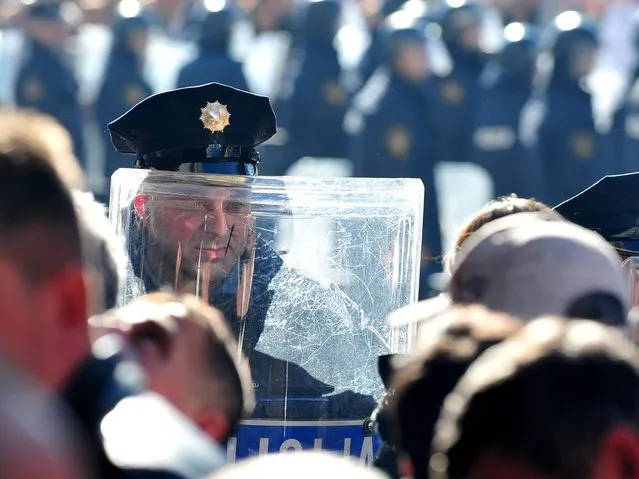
(216, 223)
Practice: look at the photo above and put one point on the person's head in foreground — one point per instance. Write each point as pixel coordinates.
(307, 464)
(431, 372)
(526, 266)
(190, 356)
(491, 211)
(42, 289)
(559, 399)
(103, 255)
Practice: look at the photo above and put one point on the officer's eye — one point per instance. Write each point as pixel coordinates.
(234, 207)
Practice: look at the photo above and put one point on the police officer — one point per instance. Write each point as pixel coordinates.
(124, 84)
(313, 100)
(505, 87)
(209, 243)
(557, 126)
(214, 62)
(623, 138)
(457, 91)
(45, 80)
(393, 129)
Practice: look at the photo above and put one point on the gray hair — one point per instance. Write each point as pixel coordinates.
(103, 253)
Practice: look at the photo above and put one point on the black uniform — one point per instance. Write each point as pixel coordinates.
(130, 433)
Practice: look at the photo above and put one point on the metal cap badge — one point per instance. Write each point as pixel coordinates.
(215, 117)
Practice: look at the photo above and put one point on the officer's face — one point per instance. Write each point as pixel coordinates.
(584, 59)
(209, 230)
(55, 34)
(412, 62)
(471, 38)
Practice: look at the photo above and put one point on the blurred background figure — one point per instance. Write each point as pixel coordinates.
(123, 86)
(374, 12)
(46, 80)
(558, 126)
(37, 438)
(393, 129)
(504, 89)
(314, 98)
(214, 62)
(461, 28)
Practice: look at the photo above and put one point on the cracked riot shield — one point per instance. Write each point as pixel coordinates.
(304, 269)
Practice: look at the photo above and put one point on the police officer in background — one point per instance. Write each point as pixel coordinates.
(46, 80)
(457, 92)
(393, 127)
(314, 98)
(210, 244)
(623, 138)
(214, 62)
(557, 126)
(505, 87)
(123, 85)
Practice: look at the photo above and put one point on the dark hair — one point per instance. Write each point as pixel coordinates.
(38, 225)
(421, 387)
(545, 400)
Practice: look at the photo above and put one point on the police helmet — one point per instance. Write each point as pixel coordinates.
(401, 29)
(519, 53)
(124, 27)
(211, 128)
(321, 20)
(455, 19)
(568, 32)
(44, 11)
(216, 28)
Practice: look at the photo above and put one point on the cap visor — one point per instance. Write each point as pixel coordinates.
(420, 312)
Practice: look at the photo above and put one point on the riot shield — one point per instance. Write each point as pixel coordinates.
(304, 269)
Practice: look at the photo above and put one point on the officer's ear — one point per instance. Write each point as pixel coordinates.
(139, 203)
(213, 422)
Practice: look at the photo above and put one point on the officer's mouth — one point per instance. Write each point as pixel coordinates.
(211, 252)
